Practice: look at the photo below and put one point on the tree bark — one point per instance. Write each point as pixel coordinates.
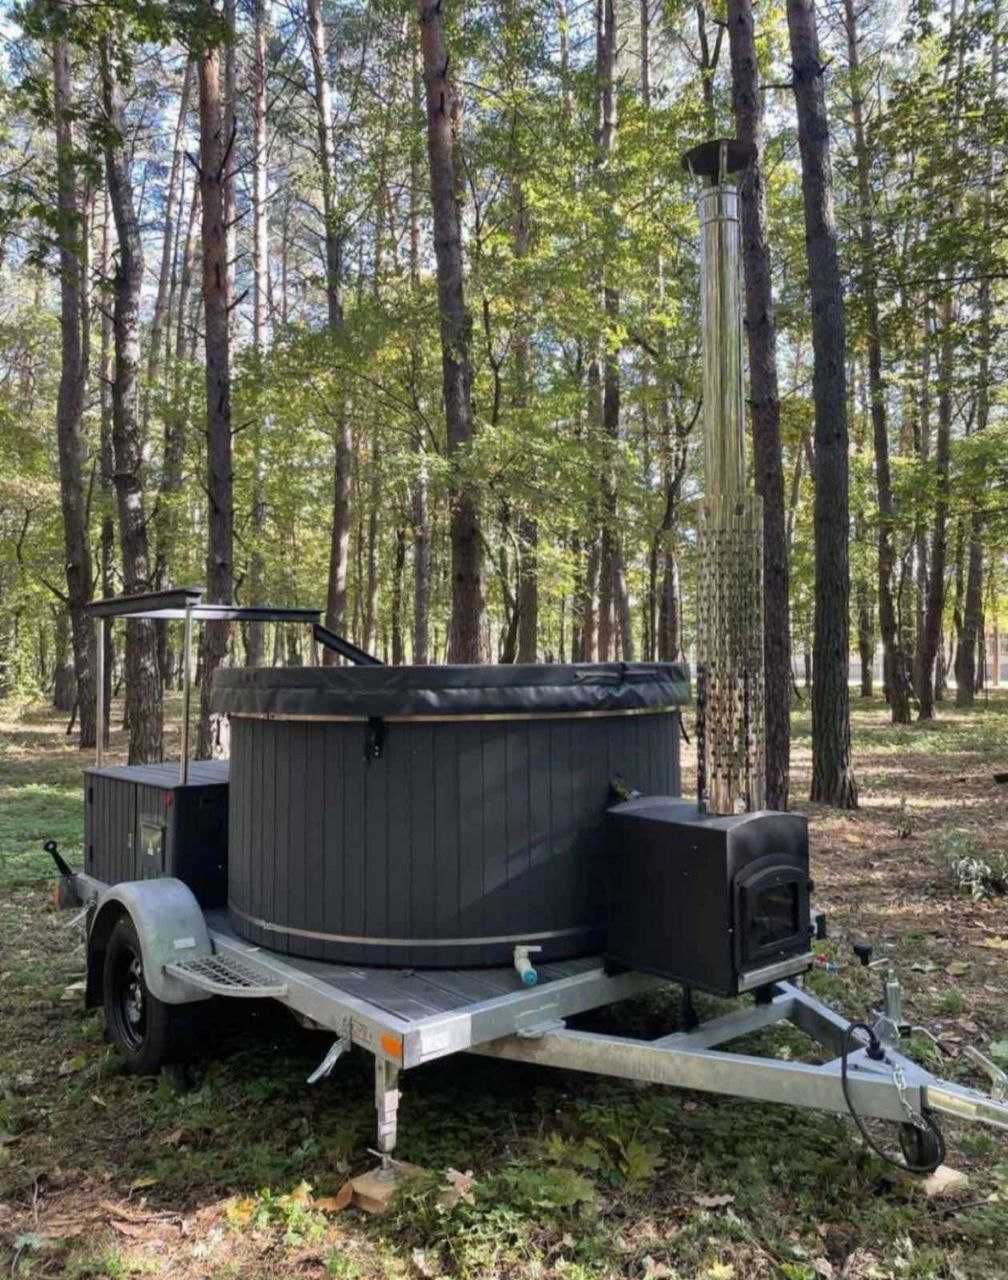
(255, 650)
(528, 529)
(215, 153)
(144, 710)
(70, 401)
(444, 110)
(934, 606)
(171, 219)
(614, 603)
(898, 684)
(339, 544)
(922, 674)
(972, 629)
(398, 567)
(832, 775)
(761, 334)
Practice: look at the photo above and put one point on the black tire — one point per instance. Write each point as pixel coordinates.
(922, 1149)
(145, 1030)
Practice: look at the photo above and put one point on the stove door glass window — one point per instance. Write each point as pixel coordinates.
(773, 915)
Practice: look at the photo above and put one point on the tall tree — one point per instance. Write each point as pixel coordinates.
(896, 661)
(333, 233)
(72, 384)
(614, 601)
(144, 712)
(260, 313)
(215, 156)
(972, 623)
(764, 399)
(832, 775)
(444, 118)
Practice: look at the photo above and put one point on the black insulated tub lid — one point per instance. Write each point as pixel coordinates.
(508, 690)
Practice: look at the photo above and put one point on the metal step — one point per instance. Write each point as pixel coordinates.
(226, 976)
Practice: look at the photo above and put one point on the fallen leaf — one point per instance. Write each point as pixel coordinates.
(141, 1183)
(720, 1271)
(995, 943)
(459, 1188)
(713, 1202)
(172, 1139)
(657, 1270)
(823, 1267)
(239, 1212)
(957, 968)
(99, 1102)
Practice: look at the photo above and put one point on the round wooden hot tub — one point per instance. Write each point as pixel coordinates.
(436, 817)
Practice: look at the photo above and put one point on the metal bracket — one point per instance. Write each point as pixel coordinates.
(337, 1050)
(998, 1078)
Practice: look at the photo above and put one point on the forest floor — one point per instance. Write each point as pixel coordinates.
(103, 1174)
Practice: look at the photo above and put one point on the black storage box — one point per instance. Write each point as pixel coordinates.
(141, 822)
(717, 903)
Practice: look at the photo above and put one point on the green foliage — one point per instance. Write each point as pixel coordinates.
(973, 867)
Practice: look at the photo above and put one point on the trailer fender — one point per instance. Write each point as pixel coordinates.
(170, 926)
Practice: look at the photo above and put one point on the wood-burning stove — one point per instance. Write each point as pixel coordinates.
(717, 903)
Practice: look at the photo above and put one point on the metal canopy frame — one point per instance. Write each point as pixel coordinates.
(177, 604)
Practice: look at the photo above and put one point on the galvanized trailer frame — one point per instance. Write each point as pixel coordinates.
(406, 1018)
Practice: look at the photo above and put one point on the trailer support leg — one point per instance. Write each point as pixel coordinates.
(386, 1105)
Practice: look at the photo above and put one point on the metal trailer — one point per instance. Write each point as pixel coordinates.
(405, 1018)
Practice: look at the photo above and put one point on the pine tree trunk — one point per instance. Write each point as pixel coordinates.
(398, 568)
(897, 666)
(832, 776)
(922, 674)
(931, 640)
(171, 219)
(339, 544)
(972, 631)
(444, 107)
(70, 402)
(761, 334)
(255, 650)
(614, 605)
(106, 466)
(64, 692)
(215, 154)
(143, 680)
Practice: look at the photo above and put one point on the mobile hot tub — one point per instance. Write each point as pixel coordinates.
(436, 817)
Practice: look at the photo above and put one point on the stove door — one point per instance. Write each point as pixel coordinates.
(771, 913)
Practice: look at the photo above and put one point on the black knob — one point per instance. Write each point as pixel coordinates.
(820, 926)
(863, 951)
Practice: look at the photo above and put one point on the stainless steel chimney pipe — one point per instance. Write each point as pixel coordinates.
(731, 734)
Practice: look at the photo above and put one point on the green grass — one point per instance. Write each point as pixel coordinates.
(41, 797)
(575, 1177)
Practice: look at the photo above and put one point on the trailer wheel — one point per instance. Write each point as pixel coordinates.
(922, 1148)
(143, 1028)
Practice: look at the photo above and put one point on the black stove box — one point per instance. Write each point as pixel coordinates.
(141, 822)
(711, 902)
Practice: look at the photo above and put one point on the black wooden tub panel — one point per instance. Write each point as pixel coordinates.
(465, 836)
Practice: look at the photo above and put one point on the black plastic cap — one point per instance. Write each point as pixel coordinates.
(704, 160)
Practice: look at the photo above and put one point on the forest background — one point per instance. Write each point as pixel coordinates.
(393, 310)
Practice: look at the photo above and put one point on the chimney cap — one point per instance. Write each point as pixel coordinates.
(704, 160)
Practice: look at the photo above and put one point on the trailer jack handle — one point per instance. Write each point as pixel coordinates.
(325, 1067)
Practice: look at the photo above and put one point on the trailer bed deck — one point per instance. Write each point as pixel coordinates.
(412, 1016)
